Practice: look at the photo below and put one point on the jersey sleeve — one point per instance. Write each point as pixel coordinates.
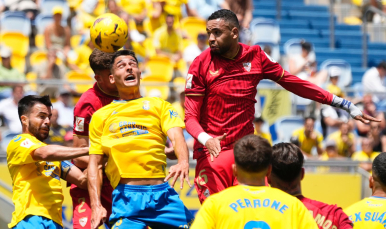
(342, 220)
(270, 68)
(20, 150)
(195, 82)
(96, 131)
(205, 218)
(82, 115)
(170, 118)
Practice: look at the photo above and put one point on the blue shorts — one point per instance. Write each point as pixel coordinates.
(37, 222)
(157, 206)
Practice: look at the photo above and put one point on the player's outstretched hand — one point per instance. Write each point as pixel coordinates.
(181, 170)
(213, 145)
(366, 118)
(98, 217)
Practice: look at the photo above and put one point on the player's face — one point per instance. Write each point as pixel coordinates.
(38, 121)
(308, 127)
(221, 36)
(125, 72)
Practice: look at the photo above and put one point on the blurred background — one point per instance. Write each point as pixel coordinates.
(336, 44)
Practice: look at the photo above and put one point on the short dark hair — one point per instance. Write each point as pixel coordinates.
(382, 65)
(306, 46)
(123, 52)
(379, 168)
(99, 60)
(287, 161)
(258, 119)
(227, 16)
(27, 102)
(252, 153)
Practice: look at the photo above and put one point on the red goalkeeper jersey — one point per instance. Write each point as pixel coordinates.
(325, 215)
(220, 92)
(92, 100)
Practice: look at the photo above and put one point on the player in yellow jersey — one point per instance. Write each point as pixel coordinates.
(371, 212)
(251, 204)
(36, 169)
(131, 133)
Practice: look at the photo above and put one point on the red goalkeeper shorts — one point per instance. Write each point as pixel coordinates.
(212, 177)
(82, 207)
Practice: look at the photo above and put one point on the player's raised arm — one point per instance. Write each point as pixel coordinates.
(181, 169)
(94, 176)
(58, 153)
(73, 174)
(272, 70)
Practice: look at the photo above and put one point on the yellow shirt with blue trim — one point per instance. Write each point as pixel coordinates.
(368, 213)
(133, 135)
(36, 184)
(306, 144)
(362, 156)
(251, 207)
(342, 147)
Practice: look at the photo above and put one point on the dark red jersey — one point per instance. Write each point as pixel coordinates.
(220, 92)
(326, 216)
(92, 100)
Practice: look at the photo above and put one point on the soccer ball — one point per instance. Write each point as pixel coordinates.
(109, 32)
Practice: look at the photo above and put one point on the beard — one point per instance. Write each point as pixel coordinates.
(35, 131)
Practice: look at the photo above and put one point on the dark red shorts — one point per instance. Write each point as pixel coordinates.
(82, 207)
(212, 177)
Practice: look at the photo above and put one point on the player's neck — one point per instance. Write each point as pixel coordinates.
(107, 91)
(130, 95)
(233, 51)
(251, 181)
(379, 190)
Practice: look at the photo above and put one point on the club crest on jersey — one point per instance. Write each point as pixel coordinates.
(247, 66)
(83, 221)
(146, 105)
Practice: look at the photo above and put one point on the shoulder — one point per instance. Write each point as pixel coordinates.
(24, 141)
(89, 98)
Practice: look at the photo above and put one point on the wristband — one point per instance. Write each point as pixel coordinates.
(203, 137)
(346, 105)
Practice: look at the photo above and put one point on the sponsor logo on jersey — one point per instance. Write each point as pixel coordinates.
(83, 221)
(214, 73)
(114, 112)
(27, 143)
(247, 66)
(146, 105)
(173, 113)
(79, 124)
(189, 79)
(113, 127)
(270, 58)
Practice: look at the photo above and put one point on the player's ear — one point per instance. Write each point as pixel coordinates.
(269, 171)
(371, 182)
(235, 33)
(302, 174)
(24, 120)
(234, 170)
(111, 78)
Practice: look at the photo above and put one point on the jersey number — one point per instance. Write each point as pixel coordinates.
(81, 201)
(202, 179)
(256, 225)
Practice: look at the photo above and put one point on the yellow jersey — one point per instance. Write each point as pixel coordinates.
(253, 207)
(334, 89)
(340, 145)
(180, 110)
(133, 135)
(265, 135)
(36, 184)
(171, 43)
(306, 144)
(368, 213)
(362, 156)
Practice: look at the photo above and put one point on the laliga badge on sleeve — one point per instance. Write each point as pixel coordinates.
(79, 124)
(146, 105)
(189, 80)
(27, 143)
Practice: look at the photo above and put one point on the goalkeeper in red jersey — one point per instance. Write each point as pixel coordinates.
(287, 173)
(220, 97)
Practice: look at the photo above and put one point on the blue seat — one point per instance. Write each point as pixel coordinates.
(265, 30)
(13, 21)
(46, 7)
